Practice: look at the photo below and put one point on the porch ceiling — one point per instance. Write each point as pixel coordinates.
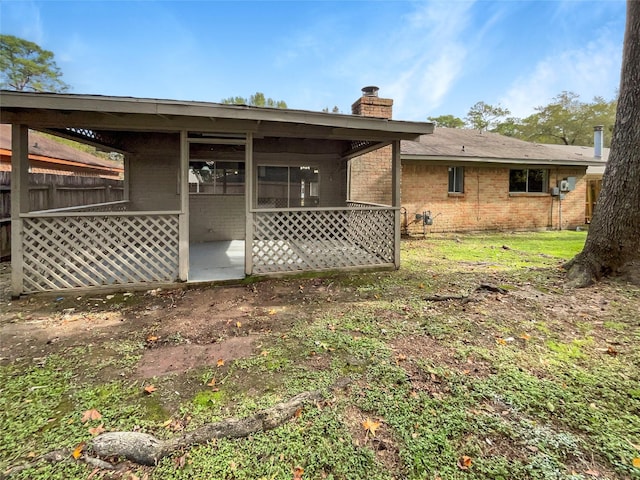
(102, 120)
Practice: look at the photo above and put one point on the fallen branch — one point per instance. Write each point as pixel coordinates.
(467, 298)
(146, 449)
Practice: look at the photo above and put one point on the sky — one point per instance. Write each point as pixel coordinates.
(431, 57)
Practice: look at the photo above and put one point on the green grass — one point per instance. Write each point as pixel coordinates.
(444, 379)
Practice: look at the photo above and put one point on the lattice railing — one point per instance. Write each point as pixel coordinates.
(76, 251)
(286, 241)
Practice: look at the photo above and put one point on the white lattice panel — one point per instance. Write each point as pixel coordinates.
(314, 240)
(86, 251)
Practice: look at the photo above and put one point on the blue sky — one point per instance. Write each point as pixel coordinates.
(431, 57)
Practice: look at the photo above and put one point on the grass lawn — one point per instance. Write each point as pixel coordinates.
(535, 381)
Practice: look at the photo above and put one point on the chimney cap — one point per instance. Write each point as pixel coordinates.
(370, 91)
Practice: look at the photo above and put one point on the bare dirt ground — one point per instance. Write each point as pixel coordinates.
(182, 328)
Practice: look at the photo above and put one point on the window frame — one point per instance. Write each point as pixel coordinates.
(308, 187)
(213, 167)
(456, 180)
(545, 180)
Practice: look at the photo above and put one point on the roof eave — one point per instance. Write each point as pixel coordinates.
(507, 161)
(146, 106)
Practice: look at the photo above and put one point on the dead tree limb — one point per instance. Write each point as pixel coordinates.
(146, 449)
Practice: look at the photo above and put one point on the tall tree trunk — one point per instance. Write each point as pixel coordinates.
(614, 234)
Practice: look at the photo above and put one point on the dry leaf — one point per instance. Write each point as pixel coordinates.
(525, 336)
(238, 324)
(464, 463)
(636, 462)
(298, 412)
(220, 362)
(272, 312)
(612, 351)
(400, 357)
(370, 426)
(152, 338)
(149, 389)
(212, 383)
(264, 353)
(77, 452)
(180, 461)
(298, 472)
(593, 473)
(501, 341)
(97, 430)
(92, 414)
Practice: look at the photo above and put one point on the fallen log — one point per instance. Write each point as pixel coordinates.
(146, 449)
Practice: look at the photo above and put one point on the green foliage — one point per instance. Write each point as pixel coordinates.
(565, 120)
(24, 65)
(568, 121)
(448, 121)
(256, 100)
(482, 116)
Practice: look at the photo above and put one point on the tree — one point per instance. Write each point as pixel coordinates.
(613, 235)
(24, 65)
(256, 100)
(448, 121)
(482, 115)
(335, 109)
(568, 121)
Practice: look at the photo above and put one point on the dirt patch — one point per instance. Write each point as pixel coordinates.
(382, 443)
(181, 358)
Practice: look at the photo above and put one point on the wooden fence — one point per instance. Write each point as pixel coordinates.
(48, 191)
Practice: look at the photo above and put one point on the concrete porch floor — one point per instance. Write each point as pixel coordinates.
(213, 261)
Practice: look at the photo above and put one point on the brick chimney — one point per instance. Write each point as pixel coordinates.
(370, 105)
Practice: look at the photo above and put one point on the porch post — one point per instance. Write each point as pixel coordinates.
(19, 201)
(248, 200)
(183, 223)
(396, 173)
(126, 177)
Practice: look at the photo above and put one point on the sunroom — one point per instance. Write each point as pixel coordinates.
(212, 192)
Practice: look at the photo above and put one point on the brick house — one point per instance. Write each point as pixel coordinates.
(466, 180)
(211, 192)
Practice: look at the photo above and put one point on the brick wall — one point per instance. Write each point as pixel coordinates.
(216, 217)
(486, 203)
(370, 174)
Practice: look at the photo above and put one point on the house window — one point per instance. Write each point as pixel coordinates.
(287, 187)
(528, 180)
(215, 177)
(456, 179)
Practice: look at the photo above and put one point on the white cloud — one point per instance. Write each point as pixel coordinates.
(23, 20)
(589, 71)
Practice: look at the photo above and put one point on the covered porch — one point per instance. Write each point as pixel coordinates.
(212, 192)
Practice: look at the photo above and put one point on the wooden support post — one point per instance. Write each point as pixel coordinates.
(126, 178)
(19, 201)
(396, 173)
(249, 176)
(183, 229)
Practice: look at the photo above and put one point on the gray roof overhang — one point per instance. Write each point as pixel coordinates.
(488, 161)
(55, 110)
